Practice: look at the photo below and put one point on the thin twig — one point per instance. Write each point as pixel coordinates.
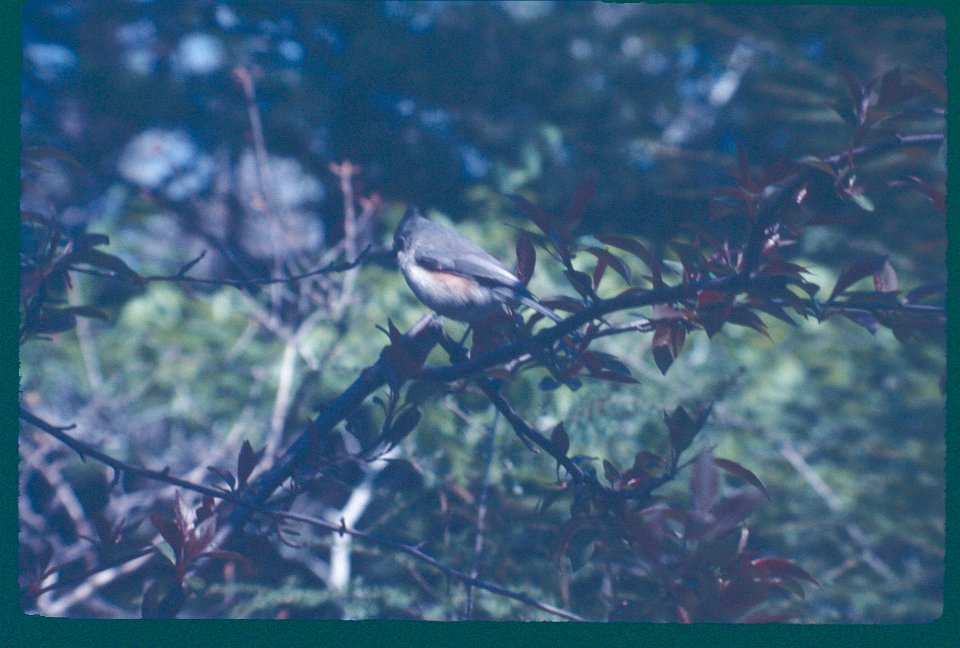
(265, 184)
(85, 450)
(433, 562)
(236, 283)
(835, 504)
(73, 582)
(482, 508)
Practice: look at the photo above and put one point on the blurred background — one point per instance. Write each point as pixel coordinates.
(213, 125)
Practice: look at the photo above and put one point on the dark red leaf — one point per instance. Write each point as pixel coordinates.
(52, 320)
(936, 195)
(611, 473)
(663, 358)
(739, 471)
(606, 367)
(682, 429)
(720, 551)
(779, 293)
(662, 349)
(893, 89)
(612, 260)
(704, 482)
(489, 333)
(567, 531)
(598, 272)
(247, 461)
(646, 471)
(582, 548)
(738, 596)
(857, 271)
(781, 567)
(707, 298)
(787, 584)
(90, 239)
(200, 538)
(772, 309)
(104, 261)
(581, 197)
(396, 337)
(731, 511)
(816, 163)
(920, 293)
(206, 508)
(668, 339)
(778, 267)
(542, 219)
(690, 257)
(712, 319)
(931, 81)
(866, 320)
(708, 237)
(182, 515)
(551, 498)
(403, 425)
(777, 171)
(225, 476)
(526, 258)
(560, 439)
(807, 286)
(856, 93)
(561, 302)
(743, 316)
(637, 249)
(168, 531)
(86, 311)
(581, 282)
(406, 364)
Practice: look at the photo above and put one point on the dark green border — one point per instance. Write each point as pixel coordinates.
(38, 631)
(10, 56)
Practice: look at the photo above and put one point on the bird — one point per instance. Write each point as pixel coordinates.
(454, 276)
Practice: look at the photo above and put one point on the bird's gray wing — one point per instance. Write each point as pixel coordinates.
(474, 263)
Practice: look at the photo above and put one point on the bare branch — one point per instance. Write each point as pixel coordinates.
(85, 450)
(433, 562)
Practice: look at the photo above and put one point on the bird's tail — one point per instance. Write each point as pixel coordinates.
(540, 308)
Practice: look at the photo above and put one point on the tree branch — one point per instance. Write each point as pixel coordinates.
(433, 562)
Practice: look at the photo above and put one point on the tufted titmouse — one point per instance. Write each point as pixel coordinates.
(453, 275)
